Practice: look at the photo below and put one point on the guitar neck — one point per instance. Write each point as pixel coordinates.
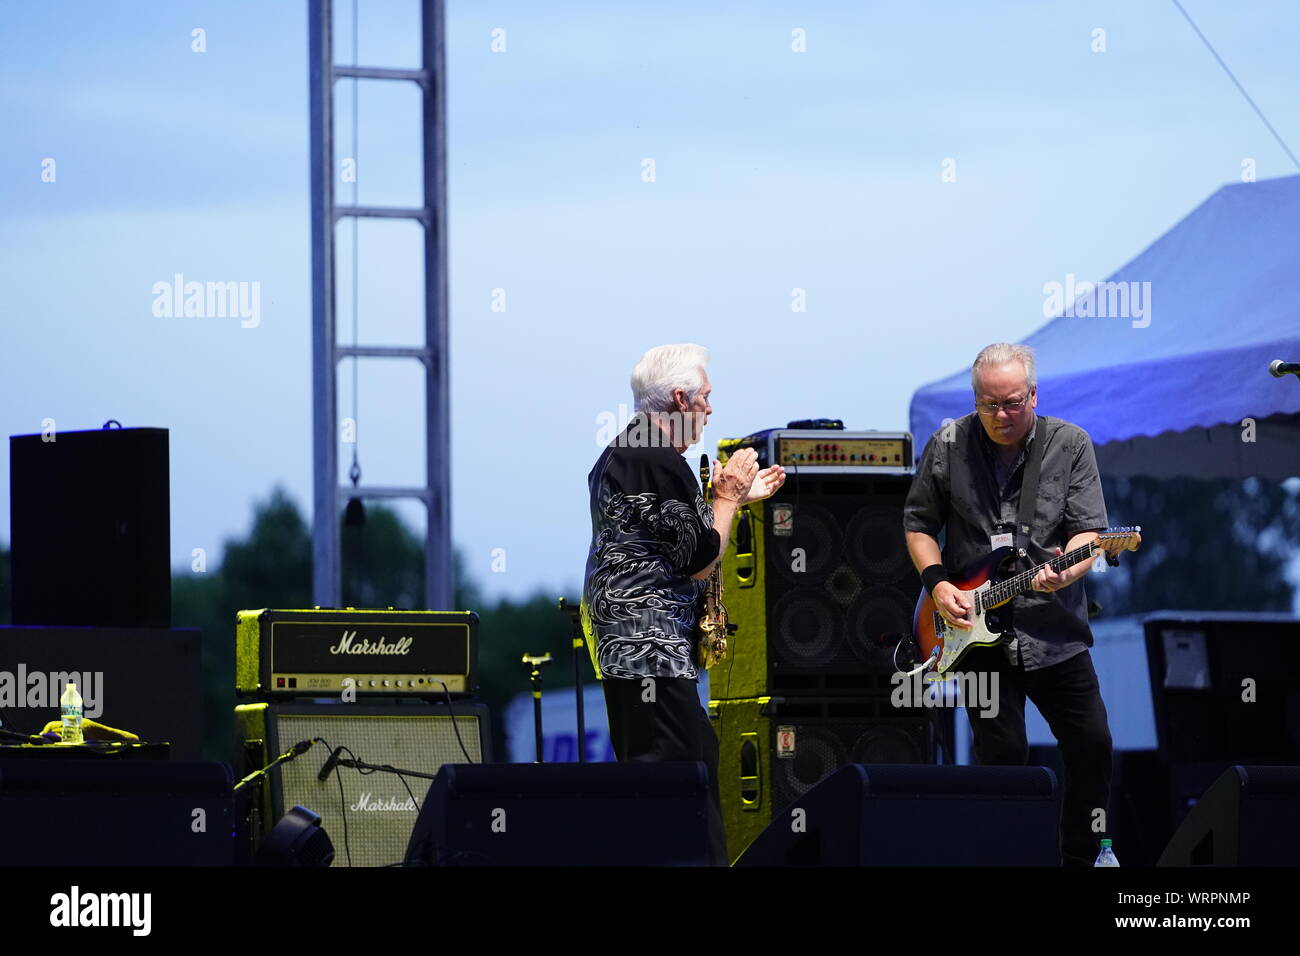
(1020, 583)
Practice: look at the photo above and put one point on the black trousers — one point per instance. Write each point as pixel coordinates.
(1069, 698)
(667, 725)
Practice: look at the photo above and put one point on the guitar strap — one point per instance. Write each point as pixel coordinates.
(958, 466)
(1029, 487)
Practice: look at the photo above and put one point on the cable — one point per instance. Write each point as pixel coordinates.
(1258, 111)
(343, 808)
(355, 471)
(447, 693)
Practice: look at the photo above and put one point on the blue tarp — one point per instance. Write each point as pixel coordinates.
(1220, 288)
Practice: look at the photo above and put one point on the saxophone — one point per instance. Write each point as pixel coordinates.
(713, 626)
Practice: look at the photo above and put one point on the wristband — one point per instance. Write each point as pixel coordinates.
(932, 576)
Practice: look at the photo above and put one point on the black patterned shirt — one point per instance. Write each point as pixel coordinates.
(650, 531)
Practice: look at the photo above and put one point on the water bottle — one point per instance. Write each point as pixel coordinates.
(70, 704)
(1107, 856)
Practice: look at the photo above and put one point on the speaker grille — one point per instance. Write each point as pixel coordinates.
(378, 810)
(841, 589)
(824, 745)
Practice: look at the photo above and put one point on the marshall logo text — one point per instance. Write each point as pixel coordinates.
(347, 645)
(367, 802)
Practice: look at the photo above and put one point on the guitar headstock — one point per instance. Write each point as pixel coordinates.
(1115, 540)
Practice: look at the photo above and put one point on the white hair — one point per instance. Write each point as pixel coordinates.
(662, 370)
(1000, 353)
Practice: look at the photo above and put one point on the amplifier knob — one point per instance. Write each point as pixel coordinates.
(401, 683)
(388, 683)
(374, 683)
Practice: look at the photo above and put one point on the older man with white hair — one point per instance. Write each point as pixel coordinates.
(654, 541)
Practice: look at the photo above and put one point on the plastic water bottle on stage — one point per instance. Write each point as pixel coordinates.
(1107, 856)
(70, 704)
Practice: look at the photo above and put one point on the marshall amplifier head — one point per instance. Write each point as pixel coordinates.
(333, 652)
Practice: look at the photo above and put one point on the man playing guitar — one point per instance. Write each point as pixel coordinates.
(969, 481)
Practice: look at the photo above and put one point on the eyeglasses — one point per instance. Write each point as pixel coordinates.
(992, 408)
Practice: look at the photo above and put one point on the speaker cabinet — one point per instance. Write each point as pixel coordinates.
(917, 816)
(773, 751)
(602, 814)
(91, 525)
(371, 817)
(1246, 818)
(1220, 691)
(820, 587)
(113, 812)
(145, 680)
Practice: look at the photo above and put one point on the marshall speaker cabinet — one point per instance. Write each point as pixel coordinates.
(331, 652)
(369, 815)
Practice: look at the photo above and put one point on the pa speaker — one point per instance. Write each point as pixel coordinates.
(369, 816)
(110, 812)
(917, 816)
(602, 814)
(91, 526)
(1246, 818)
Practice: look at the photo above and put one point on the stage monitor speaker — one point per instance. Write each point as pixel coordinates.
(148, 681)
(371, 818)
(819, 584)
(596, 814)
(1222, 693)
(115, 813)
(91, 528)
(773, 751)
(918, 816)
(1246, 818)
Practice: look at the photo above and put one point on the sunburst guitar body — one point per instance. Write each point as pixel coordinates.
(990, 585)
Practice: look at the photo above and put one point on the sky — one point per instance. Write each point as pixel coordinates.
(918, 171)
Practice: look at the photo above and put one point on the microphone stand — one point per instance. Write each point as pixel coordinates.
(254, 819)
(579, 643)
(301, 747)
(386, 768)
(534, 664)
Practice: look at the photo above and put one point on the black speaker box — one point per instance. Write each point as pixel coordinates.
(148, 681)
(1246, 818)
(115, 813)
(602, 814)
(90, 519)
(1220, 691)
(894, 815)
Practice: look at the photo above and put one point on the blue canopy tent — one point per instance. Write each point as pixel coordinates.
(1165, 393)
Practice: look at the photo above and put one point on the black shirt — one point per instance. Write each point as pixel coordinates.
(1049, 627)
(650, 531)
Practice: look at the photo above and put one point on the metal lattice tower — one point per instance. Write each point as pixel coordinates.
(329, 497)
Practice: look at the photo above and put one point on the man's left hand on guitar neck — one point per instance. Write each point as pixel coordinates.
(1048, 580)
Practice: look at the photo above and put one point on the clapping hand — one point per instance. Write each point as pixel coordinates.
(766, 483)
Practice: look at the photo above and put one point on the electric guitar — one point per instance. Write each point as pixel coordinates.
(944, 645)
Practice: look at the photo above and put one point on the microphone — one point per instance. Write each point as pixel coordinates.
(330, 764)
(1277, 368)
